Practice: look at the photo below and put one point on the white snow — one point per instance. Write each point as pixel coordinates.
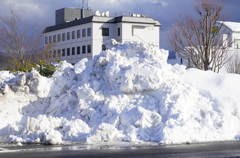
(126, 94)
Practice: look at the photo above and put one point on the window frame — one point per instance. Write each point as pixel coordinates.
(119, 31)
(59, 37)
(83, 49)
(68, 51)
(78, 50)
(89, 48)
(50, 39)
(89, 31)
(63, 37)
(54, 38)
(83, 32)
(73, 34)
(105, 31)
(46, 40)
(78, 33)
(73, 50)
(63, 52)
(104, 47)
(68, 36)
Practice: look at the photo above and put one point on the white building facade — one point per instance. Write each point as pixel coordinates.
(85, 37)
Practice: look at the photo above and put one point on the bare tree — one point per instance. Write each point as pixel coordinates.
(233, 66)
(19, 42)
(200, 39)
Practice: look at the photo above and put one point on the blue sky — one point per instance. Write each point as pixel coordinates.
(42, 12)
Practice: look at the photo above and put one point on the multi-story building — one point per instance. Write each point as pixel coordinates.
(79, 33)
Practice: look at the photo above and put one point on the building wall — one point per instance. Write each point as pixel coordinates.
(73, 43)
(140, 32)
(128, 32)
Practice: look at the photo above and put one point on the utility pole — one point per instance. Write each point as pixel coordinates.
(82, 4)
(82, 10)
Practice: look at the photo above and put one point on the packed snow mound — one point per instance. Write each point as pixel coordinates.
(127, 93)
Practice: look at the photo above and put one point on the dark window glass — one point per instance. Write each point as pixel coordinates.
(54, 38)
(105, 31)
(68, 36)
(54, 53)
(63, 37)
(78, 50)
(73, 50)
(89, 32)
(83, 32)
(83, 49)
(103, 47)
(68, 51)
(73, 34)
(63, 52)
(89, 49)
(50, 39)
(59, 52)
(59, 37)
(78, 33)
(46, 40)
(119, 32)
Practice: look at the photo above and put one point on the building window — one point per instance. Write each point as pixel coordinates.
(78, 50)
(73, 50)
(89, 32)
(89, 50)
(54, 38)
(54, 53)
(119, 32)
(83, 49)
(103, 47)
(63, 37)
(59, 37)
(59, 52)
(68, 36)
(50, 39)
(63, 52)
(73, 34)
(83, 32)
(237, 44)
(78, 33)
(46, 40)
(68, 51)
(105, 31)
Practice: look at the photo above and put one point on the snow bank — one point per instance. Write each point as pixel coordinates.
(127, 93)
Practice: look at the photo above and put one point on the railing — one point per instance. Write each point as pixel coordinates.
(117, 14)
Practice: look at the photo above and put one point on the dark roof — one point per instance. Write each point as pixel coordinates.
(101, 19)
(68, 24)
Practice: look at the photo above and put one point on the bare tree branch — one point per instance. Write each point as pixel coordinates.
(195, 39)
(20, 42)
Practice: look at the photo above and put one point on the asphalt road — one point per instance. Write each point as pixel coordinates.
(211, 150)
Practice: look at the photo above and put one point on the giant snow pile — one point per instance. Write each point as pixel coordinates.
(128, 93)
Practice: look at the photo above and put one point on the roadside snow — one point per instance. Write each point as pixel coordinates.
(128, 93)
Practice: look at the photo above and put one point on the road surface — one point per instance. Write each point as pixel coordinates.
(211, 150)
